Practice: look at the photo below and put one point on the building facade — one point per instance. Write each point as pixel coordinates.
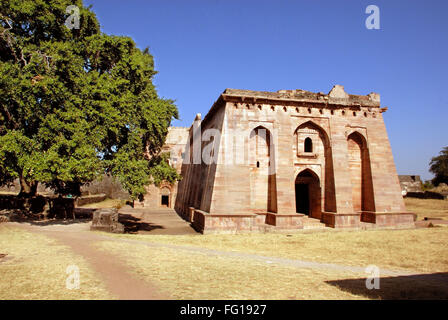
(410, 184)
(271, 160)
(165, 194)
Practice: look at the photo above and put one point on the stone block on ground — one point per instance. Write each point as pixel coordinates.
(106, 220)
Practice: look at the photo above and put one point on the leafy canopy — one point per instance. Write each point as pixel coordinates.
(76, 103)
(439, 166)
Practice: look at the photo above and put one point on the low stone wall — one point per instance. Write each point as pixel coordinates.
(341, 220)
(426, 195)
(206, 223)
(285, 221)
(106, 184)
(37, 204)
(94, 198)
(221, 223)
(387, 219)
(40, 206)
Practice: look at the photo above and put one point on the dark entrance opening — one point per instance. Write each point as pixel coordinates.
(302, 198)
(308, 194)
(165, 201)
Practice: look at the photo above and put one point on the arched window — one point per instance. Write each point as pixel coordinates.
(308, 145)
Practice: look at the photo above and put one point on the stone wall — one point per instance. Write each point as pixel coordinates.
(350, 159)
(410, 183)
(165, 195)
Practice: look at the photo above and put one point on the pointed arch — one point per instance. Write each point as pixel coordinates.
(360, 172)
(308, 193)
(308, 145)
(321, 155)
(307, 172)
(262, 170)
(313, 125)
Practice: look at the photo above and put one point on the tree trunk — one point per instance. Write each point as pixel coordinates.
(28, 189)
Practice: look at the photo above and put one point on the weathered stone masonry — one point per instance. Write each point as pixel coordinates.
(283, 155)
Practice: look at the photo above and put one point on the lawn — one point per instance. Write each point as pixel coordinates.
(199, 275)
(36, 268)
(184, 276)
(430, 208)
(421, 250)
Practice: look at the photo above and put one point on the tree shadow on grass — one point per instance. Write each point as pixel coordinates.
(413, 287)
(135, 225)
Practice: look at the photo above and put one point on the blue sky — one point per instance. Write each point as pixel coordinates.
(202, 47)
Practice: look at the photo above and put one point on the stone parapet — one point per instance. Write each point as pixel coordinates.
(285, 221)
(244, 223)
(341, 220)
(224, 223)
(389, 219)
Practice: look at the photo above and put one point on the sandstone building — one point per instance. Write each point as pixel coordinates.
(276, 160)
(165, 194)
(410, 183)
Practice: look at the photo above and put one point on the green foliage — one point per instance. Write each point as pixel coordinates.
(439, 166)
(160, 170)
(75, 103)
(427, 185)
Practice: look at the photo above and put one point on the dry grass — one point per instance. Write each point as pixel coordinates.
(423, 250)
(443, 187)
(108, 203)
(35, 268)
(200, 276)
(430, 208)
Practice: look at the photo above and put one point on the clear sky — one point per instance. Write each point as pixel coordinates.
(202, 47)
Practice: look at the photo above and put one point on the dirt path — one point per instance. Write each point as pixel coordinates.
(117, 277)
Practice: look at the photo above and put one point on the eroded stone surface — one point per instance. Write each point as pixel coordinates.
(106, 220)
(281, 153)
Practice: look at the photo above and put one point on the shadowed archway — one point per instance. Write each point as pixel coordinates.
(308, 194)
(312, 146)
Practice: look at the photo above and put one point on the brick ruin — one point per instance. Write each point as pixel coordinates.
(281, 158)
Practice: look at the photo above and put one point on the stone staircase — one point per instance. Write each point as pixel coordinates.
(312, 223)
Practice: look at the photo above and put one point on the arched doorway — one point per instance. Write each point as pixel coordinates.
(308, 194)
(312, 146)
(165, 197)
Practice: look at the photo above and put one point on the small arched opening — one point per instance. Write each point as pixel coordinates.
(308, 145)
(165, 197)
(308, 194)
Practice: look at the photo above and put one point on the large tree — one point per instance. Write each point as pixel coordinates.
(75, 103)
(439, 166)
